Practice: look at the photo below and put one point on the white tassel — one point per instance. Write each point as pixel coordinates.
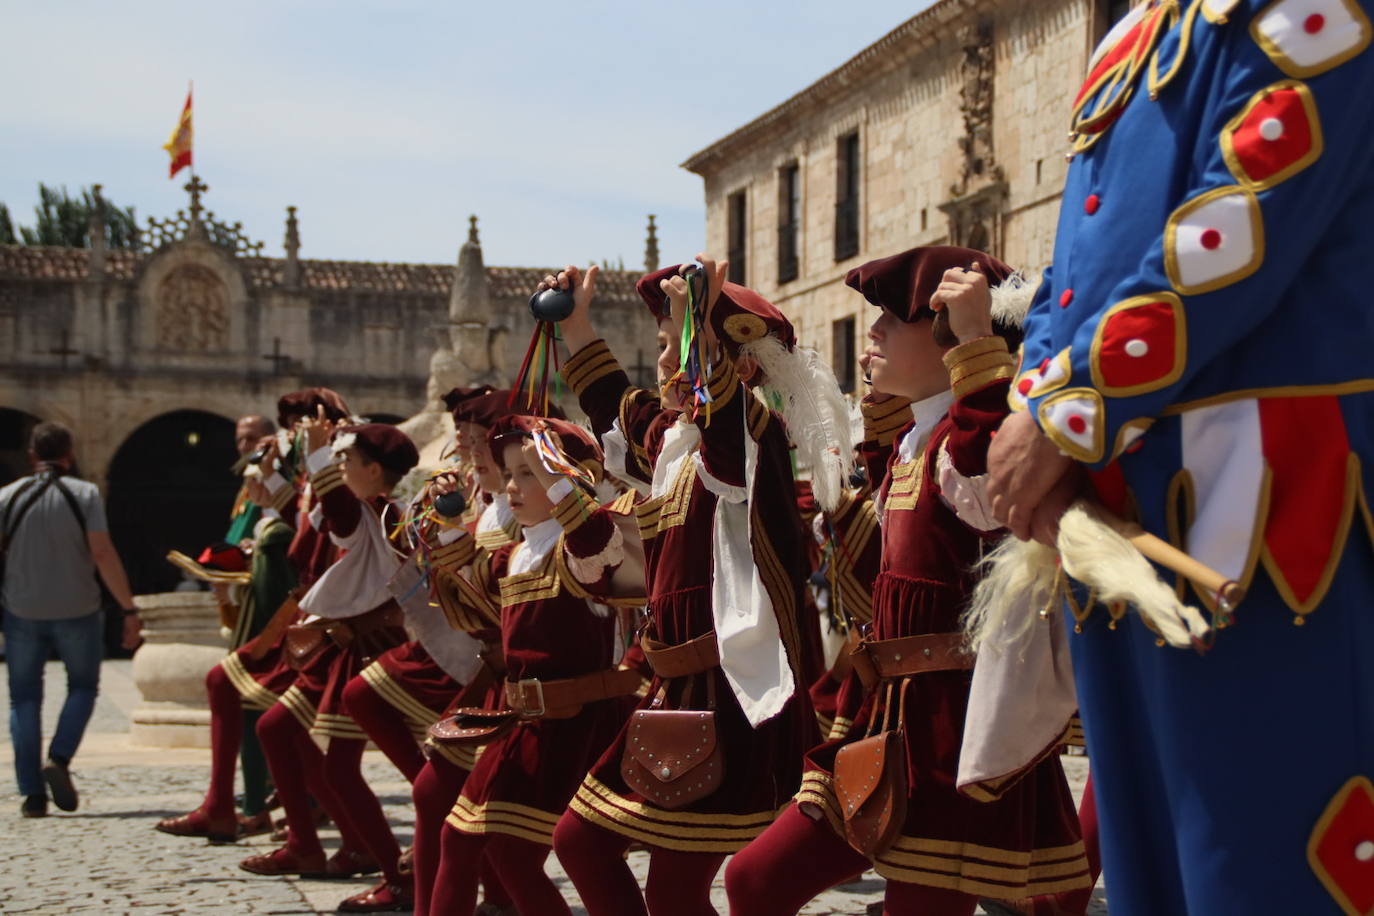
(1011, 299)
(1092, 552)
(1096, 555)
(815, 410)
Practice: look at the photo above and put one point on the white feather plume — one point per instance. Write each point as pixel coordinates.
(1095, 554)
(1017, 577)
(1011, 299)
(815, 410)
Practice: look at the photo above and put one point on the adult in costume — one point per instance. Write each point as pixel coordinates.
(1200, 346)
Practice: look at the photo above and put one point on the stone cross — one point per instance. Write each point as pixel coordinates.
(64, 349)
(196, 187)
(277, 357)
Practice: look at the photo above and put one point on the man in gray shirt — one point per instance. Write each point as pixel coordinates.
(57, 540)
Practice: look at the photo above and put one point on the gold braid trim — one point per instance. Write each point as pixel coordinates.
(882, 421)
(589, 365)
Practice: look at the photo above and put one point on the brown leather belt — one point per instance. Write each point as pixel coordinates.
(888, 658)
(691, 657)
(563, 699)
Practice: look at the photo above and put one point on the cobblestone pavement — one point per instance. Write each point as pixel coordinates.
(106, 858)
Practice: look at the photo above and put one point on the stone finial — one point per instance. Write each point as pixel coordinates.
(97, 233)
(470, 296)
(651, 248)
(292, 273)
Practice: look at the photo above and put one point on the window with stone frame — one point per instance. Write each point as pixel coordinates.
(789, 222)
(849, 158)
(736, 206)
(842, 346)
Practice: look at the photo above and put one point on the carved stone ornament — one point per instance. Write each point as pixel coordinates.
(192, 311)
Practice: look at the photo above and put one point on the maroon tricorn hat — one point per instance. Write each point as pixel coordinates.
(903, 283)
(379, 442)
(741, 316)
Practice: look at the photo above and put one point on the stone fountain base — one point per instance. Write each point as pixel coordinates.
(182, 642)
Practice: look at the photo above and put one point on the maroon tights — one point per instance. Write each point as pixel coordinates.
(226, 735)
(384, 725)
(519, 864)
(679, 883)
(343, 767)
(298, 772)
(797, 858)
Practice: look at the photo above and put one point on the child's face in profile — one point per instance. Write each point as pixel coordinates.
(363, 477)
(904, 359)
(472, 439)
(529, 502)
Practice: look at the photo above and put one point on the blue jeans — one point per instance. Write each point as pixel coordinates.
(80, 643)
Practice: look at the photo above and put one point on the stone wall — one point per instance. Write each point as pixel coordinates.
(907, 96)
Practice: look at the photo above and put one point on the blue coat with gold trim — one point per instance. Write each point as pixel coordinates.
(1206, 334)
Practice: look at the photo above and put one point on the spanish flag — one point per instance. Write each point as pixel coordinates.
(179, 146)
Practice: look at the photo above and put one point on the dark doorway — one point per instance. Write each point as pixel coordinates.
(390, 419)
(15, 426)
(170, 488)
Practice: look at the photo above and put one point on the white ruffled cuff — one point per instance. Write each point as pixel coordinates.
(320, 459)
(591, 569)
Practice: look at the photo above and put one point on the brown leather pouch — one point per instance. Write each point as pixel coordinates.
(871, 785)
(303, 643)
(672, 757)
(472, 726)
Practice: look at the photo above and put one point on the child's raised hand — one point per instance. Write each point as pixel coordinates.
(318, 430)
(965, 294)
(577, 327)
(444, 483)
(536, 464)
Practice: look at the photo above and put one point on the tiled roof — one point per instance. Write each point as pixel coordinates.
(22, 262)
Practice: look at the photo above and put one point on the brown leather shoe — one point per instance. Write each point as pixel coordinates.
(347, 864)
(198, 824)
(406, 863)
(284, 862)
(256, 825)
(384, 898)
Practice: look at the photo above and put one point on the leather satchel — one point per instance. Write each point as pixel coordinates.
(473, 726)
(672, 757)
(304, 641)
(871, 787)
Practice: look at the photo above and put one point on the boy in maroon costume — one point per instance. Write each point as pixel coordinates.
(351, 619)
(558, 636)
(255, 674)
(927, 444)
(701, 473)
(467, 561)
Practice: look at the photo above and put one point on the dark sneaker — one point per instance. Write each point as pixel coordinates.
(59, 781)
(34, 806)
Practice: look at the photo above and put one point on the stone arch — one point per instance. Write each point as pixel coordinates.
(170, 487)
(15, 426)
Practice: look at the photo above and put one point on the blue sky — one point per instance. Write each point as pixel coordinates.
(561, 125)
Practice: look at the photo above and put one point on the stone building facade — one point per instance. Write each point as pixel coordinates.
(150, 353)
(948, 130)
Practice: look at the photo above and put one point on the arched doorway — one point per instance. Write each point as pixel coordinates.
(15, 426)
(170, 488)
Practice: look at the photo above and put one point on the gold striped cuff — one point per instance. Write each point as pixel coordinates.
(282, 498)
(722, 383)
(456, 555)
(330, 478)
(588, 366)
(574, 509)
(977, 364)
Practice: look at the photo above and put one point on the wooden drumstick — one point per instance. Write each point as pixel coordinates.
(1227, 591)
